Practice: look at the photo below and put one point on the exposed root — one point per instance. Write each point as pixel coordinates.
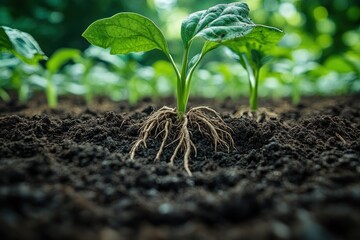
(341, 138)
(165, 123)
(151, 123)
(166, 129)
(219, 131)
(261, 115)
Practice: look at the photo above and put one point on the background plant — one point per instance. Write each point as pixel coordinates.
(23, 46)
(53, 65)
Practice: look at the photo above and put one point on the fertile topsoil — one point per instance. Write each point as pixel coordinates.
(293, 173)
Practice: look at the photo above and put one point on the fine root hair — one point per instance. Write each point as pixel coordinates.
(166, 123)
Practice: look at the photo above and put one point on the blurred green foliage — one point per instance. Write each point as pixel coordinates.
(320, 53)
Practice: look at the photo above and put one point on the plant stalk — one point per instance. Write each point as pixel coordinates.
(254, 92)
(189, 77)
(51, 93)
(253, 75)
(181, 85)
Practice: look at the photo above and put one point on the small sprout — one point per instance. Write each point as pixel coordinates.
(58, 59)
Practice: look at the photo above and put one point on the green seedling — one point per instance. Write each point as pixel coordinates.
(95, 63)
(88, 65)
(17, 75)
(253, 52)
(23, 46)
(53, 65)
(294, 71)
(130, 32)
(20, 77)
(130, 82)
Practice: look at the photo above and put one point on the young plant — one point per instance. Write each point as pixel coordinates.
(23, 46)
(95, 64)
(58, 59)
(130, 32)
(253, 52)
(293, 71)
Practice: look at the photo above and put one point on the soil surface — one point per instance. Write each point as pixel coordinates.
(294, 173)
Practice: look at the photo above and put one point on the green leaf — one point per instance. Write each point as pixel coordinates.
(21, 44)
(261, 38)
(208, 46)
(126, 32)
(60, 57)
(256, 44)
(219, 23)
(193, 61)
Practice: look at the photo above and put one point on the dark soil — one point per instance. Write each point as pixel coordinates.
(66, 174)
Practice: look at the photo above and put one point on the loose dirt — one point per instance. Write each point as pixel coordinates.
(293, 173)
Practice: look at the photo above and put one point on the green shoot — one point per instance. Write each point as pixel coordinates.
(58, 59)
(293, 70)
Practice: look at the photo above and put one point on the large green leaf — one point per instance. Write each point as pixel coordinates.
(21, 44)
(126, 32)
(219, 23)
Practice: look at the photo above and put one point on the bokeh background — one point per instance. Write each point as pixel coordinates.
(319, 55)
